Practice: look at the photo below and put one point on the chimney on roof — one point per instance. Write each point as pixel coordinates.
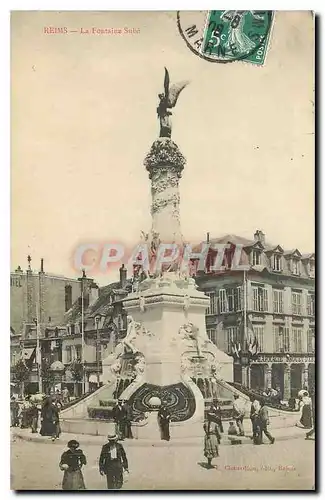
(208, 237)
(94, 293)
(42, 265)
(123, 273)
(259, 236)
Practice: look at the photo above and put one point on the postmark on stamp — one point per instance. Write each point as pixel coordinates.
(227, 35)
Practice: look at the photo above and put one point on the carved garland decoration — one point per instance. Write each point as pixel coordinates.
(162, 182)
(158, 205)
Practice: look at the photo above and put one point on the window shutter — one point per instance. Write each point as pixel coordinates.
(276, 339)
(265, 300)
(223, 301)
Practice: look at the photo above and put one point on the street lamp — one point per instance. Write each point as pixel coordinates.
(97, 319)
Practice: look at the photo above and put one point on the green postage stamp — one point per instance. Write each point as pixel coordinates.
(228, 35)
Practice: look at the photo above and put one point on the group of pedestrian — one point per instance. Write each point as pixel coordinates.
(25, 414)
(113, 464)
(260, 420)
(32, 414)
(122, 415)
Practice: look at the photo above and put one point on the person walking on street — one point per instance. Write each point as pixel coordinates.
(25, 413)
(119, 419)
(211, 438)
(127, 420)
(112, 462)
(254, 416)
(239, 413)
(65, 396)
(215, 407)
(71, 463)
(34, 417)
(14, 412)
(264, 422)
(49, 419)
(164, 421)
(312, 430)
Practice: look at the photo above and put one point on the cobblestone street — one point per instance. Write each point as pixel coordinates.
(287, 464)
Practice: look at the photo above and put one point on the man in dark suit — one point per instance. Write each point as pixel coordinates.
(112, 462)
(164, 421)
(264, 422)
(128, 415)
(119, 419)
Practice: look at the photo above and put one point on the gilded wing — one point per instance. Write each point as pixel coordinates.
(174, 92)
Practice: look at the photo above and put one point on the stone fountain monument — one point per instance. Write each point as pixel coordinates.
(166, 353)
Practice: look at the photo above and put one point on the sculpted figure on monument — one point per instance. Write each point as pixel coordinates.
(116, 367)
(167, 101)
(140, 365)
(189, 331)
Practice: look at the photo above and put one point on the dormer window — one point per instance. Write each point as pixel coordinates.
(311, 268)
(295, 266)
(256, 258)
(277, 262)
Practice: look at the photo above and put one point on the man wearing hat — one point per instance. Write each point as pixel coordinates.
(112, 462)
(119, 419)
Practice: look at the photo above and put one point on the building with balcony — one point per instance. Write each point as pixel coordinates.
(265, 304)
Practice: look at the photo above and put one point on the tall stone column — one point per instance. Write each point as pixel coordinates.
(287, 382)
(165, 163)
(268, 376)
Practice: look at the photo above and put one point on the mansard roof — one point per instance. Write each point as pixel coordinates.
(102, 306)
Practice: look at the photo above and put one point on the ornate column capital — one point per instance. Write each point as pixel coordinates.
(164, 153)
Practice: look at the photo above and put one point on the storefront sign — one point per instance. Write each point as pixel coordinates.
(284, 359)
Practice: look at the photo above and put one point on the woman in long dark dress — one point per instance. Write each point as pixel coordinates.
(71, 463)
(306, 413)
(49, 417)
(211, 438)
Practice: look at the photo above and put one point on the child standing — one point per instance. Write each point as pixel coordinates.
(71, 463)
(233, 434)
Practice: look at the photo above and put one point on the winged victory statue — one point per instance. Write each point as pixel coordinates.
(167, 101)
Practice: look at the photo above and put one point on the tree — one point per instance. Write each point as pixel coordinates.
(47, 375)
(77, 372)
(76, 369)
(21, 373)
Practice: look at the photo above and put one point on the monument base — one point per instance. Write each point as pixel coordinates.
(173, 358)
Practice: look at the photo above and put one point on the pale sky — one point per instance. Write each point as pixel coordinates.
(84, 117)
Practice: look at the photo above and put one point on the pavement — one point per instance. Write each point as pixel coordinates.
(279, 434)
(288, 464)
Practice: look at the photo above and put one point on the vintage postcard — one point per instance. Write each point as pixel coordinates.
(162, 327)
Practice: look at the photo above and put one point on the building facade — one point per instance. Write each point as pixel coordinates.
(264, 305)
(73, 322)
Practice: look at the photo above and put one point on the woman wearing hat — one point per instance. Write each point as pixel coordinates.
(112, 462)
(71, 463)
(211, 438)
